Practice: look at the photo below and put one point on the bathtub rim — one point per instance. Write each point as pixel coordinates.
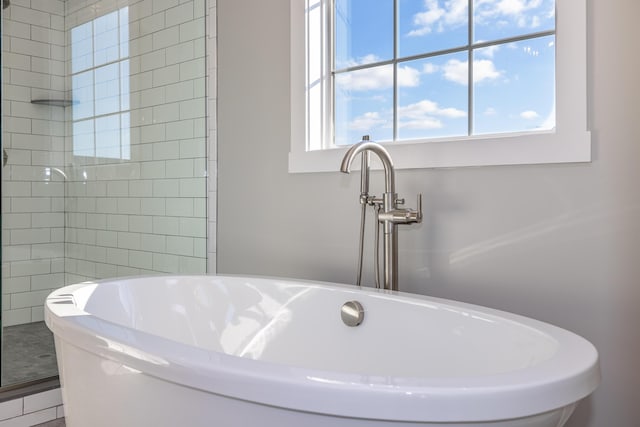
(485, 398)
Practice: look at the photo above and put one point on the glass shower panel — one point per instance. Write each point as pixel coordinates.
(33, 186)
(136, 187)
(103, 121)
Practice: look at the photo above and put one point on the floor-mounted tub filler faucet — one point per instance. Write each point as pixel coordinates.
(389, 215)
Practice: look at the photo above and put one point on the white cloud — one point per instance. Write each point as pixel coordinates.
(377, 78)
(451, 113)
(362, 60)
(484, 69)
(367, 121)
(408, 76)
(425, 20)
(457, 71)
(489, 51)
(422, 123)
(529, 115)
(436, 18)
(525, 13)
(457, 12)
(535, 21)
(429, 68)
(426, 114)
(367, 79)
(367, 59)
(510, 7)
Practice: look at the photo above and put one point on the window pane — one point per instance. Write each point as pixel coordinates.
(124, 32)
(81, 47)
(498, 19)
(105, 39)
(107, 89)
(108, 136)
(514, 86)
(364, 105)
(83, 138)
(432, 25)
(82, 88)
(363, 32)
(125, 136)
(436, 103)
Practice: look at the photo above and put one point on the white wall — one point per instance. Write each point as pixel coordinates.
(559, 243)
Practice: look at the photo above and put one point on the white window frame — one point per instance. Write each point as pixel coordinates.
(568, 142)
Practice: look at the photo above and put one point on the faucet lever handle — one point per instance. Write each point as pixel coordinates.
(419, 206)
(415, 215)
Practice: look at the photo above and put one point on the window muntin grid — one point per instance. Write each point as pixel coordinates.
(100, 87)
(360, 83)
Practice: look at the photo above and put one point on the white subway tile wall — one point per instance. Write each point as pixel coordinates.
(68, 218)
(147, 215)
(33, 135)
(32, 410)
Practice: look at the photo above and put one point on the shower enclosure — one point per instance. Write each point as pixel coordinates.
(104, 143)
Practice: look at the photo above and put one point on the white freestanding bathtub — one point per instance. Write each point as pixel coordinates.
(243, 351)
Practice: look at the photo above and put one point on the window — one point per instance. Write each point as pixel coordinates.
(100, 86)
(399, 71)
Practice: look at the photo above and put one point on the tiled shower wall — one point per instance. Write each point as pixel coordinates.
(68, 219)
(23, 416)
(147, 215)
(33, 55)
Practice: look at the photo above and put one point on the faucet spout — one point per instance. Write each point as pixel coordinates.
(381, 152)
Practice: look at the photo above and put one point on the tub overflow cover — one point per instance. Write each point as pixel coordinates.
(352, 313)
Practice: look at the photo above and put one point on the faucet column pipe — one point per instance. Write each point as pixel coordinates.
(390, 239)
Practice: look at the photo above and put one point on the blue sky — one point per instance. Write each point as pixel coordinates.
(513, 84)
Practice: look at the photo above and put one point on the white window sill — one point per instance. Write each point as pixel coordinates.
(492, 150)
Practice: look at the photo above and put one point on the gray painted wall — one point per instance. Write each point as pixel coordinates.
(560, 243)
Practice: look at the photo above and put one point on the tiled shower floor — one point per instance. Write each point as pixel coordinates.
(28, 353)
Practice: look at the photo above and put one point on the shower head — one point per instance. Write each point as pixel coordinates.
(5, 4)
